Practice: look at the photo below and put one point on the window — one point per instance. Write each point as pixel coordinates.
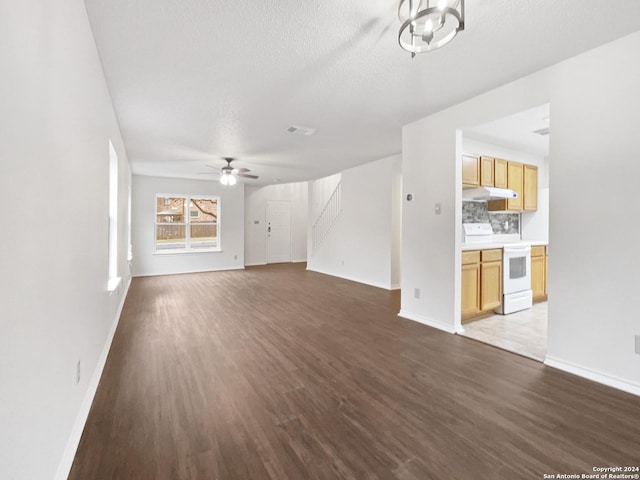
(187, 223)
(114, 280)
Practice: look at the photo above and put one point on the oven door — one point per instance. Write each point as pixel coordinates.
(516, 269)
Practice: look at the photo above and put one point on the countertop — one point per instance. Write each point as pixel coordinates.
(489, 246)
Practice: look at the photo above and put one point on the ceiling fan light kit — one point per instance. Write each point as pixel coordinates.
(429, 24)
(228, 179)
(229, 175)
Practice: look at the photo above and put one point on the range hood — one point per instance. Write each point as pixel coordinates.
(487, 193)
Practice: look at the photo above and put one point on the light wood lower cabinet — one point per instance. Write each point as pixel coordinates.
(490, 285)
(546, 270)
(470, 284)
(539, 273)
(481, 283)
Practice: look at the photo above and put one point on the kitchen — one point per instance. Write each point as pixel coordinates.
(505, 225)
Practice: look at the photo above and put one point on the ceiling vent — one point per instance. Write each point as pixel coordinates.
(542, 131)
(298, 130)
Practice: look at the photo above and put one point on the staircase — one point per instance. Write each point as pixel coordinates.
(328, 217)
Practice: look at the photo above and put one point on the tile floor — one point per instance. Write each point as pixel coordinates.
(522, 332)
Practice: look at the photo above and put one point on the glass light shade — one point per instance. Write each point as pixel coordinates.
(228, 179)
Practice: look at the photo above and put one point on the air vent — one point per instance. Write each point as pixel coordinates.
(298, 130)
(542, 131)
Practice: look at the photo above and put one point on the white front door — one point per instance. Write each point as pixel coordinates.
(278, 231)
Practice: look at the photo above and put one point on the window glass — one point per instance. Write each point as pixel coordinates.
(517, 267)
(186, 223)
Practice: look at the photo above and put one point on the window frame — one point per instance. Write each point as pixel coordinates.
(113, 280)
(188, 249)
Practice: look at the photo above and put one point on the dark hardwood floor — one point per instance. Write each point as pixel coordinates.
(279, 373)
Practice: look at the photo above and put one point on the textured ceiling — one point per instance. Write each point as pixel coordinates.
(194, 80)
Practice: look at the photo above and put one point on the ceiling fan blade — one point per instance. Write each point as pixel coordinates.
(211, 166)
(206, 173)
(246, 175)
(240, 170)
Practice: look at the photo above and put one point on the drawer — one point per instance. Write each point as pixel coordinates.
(470, 257)
(492, 255)
(538, 251)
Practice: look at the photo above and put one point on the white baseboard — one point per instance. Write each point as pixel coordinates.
(64, 467)
(427, 321)
(395, 286)
(350, 278)
(257, 264)
(299, 260)
(161, 274)
(599, 377)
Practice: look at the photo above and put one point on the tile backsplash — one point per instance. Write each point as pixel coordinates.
(476, 212)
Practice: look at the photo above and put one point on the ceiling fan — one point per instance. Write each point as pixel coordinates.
(229, 174)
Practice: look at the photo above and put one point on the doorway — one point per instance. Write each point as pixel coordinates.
(514, 150)
(278, 231)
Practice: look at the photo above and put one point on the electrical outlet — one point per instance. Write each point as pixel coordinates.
(438, 208)
(638, 344)
(342, 263)
(78, 371)
(235, 257)
(416, 293)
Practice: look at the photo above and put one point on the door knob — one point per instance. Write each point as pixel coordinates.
(269, 229)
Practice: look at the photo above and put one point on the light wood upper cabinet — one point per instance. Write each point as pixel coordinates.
(499, 173)
(486, 171)
(470, 171)
(515, 182)
(530, 188)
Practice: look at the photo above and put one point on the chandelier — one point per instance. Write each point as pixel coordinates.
(429, 24)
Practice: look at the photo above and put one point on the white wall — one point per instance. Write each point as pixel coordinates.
(55, 309)
(230, 230)
(360, 246)
(255, 238)
(534, 226)
(592, 278)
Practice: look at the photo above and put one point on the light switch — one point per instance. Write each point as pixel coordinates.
(438, 208)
